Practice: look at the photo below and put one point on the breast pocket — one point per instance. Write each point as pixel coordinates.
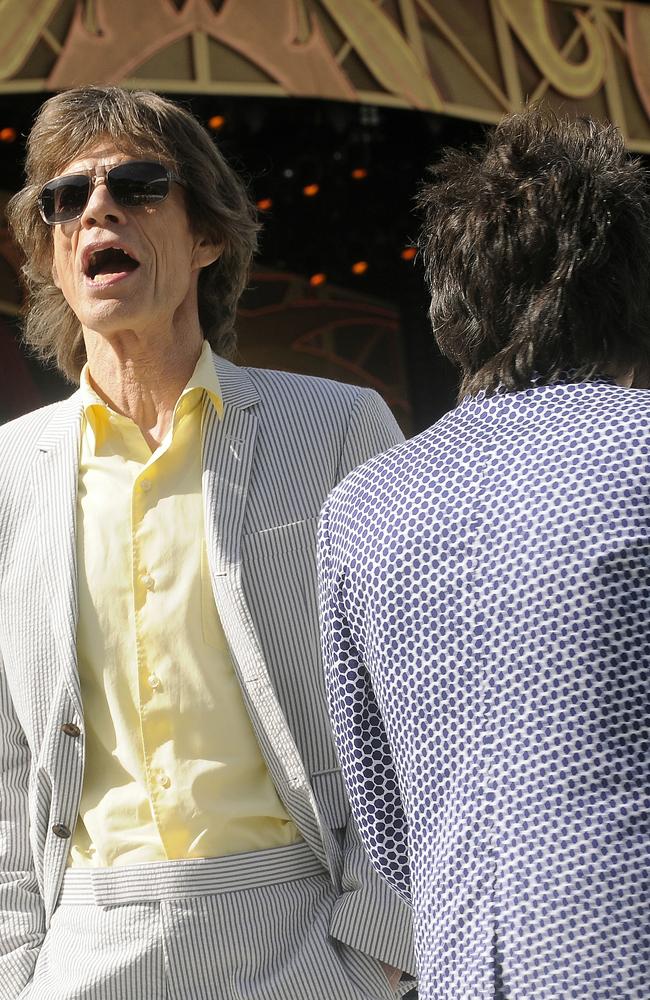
(279, 544)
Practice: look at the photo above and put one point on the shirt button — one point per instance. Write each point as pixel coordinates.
(148, 581)
(165, 781)
(153, 681)
(70, 729)
(59, 830)
(145, 485)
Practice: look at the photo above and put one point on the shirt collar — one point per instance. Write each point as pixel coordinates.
(204, 377)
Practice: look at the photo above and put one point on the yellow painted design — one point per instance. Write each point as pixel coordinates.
(385, 51)
(22, 24)
(637, 35)
(285, 50)
(529, 21)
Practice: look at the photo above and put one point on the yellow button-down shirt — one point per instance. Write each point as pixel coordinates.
(173, 767)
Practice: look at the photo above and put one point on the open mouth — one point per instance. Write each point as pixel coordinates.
(109, 263)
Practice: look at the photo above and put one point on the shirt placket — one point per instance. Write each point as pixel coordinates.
(154, 708)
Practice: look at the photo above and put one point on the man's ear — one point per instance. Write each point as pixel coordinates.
(206, 252)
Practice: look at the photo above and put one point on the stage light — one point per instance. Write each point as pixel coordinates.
(310, 190)
(408, 253)
(318, 279)
(216, 122)
(8, 134)
(359, 173)
(360, 267)
(264, 204)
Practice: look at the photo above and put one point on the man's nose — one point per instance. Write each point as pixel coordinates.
(101, 205)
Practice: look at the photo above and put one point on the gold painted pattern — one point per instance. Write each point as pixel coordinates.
(476, 59)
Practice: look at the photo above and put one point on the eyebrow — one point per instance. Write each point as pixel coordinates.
(128, 158)
(79, 168)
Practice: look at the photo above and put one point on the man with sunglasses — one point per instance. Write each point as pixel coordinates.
(173, 821)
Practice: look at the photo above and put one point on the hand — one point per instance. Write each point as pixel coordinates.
(392, 974)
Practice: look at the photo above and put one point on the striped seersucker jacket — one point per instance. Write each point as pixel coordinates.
(283, 443)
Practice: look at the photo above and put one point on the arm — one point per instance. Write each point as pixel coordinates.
(369, 915)
(359, 734)
(22, 917)
(372, 429)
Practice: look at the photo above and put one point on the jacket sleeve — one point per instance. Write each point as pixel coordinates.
(22, 916)
(369, 916)
(372, 429)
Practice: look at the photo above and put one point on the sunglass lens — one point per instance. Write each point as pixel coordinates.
(65, 198)
(138, 183)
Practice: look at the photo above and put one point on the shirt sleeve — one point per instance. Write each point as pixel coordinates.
(359, 732)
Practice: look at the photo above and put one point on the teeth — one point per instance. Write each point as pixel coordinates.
(93, 261)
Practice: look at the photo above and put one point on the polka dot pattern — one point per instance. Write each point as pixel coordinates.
(485, 592)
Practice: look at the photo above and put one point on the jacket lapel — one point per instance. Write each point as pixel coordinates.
(54, 483)
(228, 459)
(228, 449)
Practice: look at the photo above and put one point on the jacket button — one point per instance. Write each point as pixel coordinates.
(70, 729)
(59, 830)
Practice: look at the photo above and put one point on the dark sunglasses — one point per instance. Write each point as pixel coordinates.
(138, 182)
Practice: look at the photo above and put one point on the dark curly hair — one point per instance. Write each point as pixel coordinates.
(138, 123)
(537, 253)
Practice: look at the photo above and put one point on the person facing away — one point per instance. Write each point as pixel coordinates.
(172, 816)
(485, 586)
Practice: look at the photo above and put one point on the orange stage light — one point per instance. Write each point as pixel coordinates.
(216, 122)
(310, 190)
(359, 173)
(360, 267)
(318, 279)
(264, 204)
(408, 253)
(7, 134)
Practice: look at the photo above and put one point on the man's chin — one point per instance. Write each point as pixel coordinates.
(111, 321)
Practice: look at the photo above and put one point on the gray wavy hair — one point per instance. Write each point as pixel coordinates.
(138, 123)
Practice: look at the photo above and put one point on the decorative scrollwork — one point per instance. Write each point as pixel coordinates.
(417, 53)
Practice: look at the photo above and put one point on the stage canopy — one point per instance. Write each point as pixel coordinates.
(475, 59)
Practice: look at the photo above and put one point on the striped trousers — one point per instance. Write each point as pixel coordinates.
(242, 927)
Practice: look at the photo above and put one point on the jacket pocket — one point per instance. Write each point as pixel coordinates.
(271, 542)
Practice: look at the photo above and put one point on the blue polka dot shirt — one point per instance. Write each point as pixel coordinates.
(485, 591)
